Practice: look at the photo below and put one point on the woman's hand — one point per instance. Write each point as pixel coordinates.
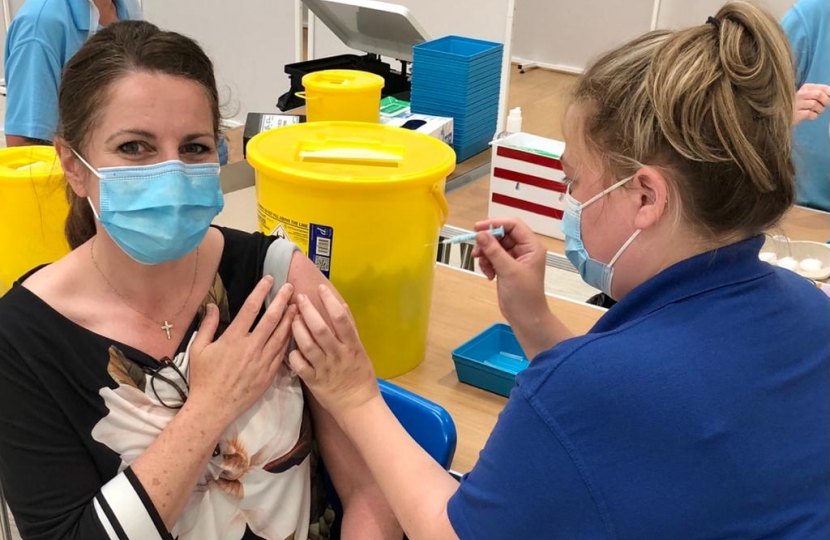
(230, 374)
(331, 361)
(518, 260)
(810, 101)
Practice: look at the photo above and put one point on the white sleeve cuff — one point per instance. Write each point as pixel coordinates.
(126, 511)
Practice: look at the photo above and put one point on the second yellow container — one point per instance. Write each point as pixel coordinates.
(342, 94)
(33, 209)
(366, 203)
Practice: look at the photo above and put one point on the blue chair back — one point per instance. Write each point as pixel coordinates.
(428, 423)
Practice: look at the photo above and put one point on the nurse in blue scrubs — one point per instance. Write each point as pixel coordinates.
(697, 406)
(42, 37)
(807, 25)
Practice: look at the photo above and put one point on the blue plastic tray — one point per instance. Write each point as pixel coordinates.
(458, 93)
(467, 97)
(472, 111)
(427, 106)
(490, 360)
(447, 66)
(472, 149)
(473, 130)
(459, 47)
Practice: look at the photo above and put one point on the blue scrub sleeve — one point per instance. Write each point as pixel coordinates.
(32, 79)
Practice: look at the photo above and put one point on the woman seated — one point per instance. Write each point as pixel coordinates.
(143, 389)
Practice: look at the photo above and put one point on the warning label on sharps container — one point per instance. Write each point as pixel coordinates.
(314, 239)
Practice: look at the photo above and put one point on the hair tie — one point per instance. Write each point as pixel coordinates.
(714, 22)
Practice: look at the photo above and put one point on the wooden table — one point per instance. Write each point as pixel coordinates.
(468, 204)
(464, 304)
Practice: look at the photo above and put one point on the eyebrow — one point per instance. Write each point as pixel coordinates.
(564, 161)
(195, 136)
(138, 132)
(149, 135)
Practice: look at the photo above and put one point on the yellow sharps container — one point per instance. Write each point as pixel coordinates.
(342, 94)
(366, 203)
(33, 209)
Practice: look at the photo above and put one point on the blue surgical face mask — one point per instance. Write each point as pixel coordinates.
(595, 273)
(160, 212)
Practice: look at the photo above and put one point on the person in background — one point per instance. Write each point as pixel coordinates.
(697, 406)
(806, 25)
(42, 37)
(143, 388)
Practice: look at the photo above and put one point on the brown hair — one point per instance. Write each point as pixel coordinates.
(711, 107)
(120, 49)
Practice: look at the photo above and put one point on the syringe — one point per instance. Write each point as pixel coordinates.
(498, 232)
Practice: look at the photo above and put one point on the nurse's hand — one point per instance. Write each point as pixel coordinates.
(330, 360)
(810, 101)
(518, 260)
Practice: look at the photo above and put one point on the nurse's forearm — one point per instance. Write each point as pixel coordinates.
(539, 333)
(416, 487)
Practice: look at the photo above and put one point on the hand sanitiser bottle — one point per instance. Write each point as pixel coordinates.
(514, 121)
(512, 125)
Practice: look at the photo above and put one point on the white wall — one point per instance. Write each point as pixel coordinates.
(681, 13)
(567, 34)
(249, 42)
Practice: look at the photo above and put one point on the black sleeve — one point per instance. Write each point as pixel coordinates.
(49, 479)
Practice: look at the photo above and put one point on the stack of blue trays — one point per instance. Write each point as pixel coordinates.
(459, 77)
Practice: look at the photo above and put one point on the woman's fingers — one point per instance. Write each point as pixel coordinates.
(277, 343)
(207, 328)
(272, 316)
(316, 325)
(341, 318)
(305, 341)
(486, 268)
(301, 366)
(243, 321)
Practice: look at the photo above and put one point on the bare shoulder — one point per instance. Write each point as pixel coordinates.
(59, 278)
(306, 278)
(212, 247)
(304, 275)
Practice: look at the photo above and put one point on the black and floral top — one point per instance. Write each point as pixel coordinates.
(76, 409)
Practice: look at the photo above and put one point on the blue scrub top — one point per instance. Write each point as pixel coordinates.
(42, 37)
(807, 25)
(696, 408)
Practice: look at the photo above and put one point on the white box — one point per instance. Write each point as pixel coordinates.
(526, 182)
(435, 126)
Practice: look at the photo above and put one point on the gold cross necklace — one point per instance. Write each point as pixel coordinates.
(167, 325)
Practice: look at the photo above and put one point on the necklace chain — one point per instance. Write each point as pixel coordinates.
(167, 325)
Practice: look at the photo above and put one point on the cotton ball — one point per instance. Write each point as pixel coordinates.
(767, 257)
(810, 265)
(789, 263)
